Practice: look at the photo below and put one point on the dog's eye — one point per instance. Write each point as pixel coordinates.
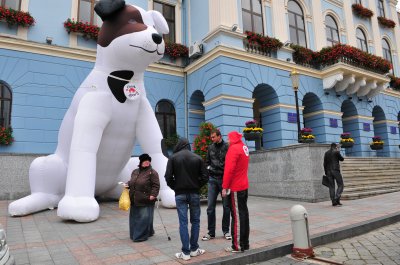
(132, 21)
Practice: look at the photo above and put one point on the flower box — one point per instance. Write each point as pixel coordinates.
(252, 136)
(362, 11)
(307, 141)
(376, 146)
(257, 43)
(176, 50)
(12, 17)
(6, 137)
(87, 30)
(388, 23)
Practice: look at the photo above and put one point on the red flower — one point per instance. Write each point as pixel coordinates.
(386, 22)
(6, 137)
(89, 31)
(361, 11)
(20, 18)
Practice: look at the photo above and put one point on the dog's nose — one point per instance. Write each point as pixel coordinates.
(157, 38)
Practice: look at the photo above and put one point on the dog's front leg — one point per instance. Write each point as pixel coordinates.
(93, 115)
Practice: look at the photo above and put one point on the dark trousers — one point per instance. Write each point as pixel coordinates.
(240, 225)
(214, 189)
(333, 176)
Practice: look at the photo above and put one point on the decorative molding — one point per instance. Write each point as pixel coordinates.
(330, 81)
(386, 121)
(371, 85)
(358, 117)
(76, 54)
(377, 90)
(362, 81)
(228, 97)
(347, 80)
(280, 105)
(390, 92)
(224, 30)
(330, 112)
(337, 3)
(197, 111)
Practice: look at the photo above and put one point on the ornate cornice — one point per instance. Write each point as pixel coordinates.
(227, 97)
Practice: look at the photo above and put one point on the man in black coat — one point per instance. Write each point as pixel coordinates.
(186, 173)
(332, 171)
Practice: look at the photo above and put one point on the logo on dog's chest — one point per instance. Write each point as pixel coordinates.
(131, 91)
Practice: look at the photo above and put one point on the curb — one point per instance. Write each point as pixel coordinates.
(282, 249)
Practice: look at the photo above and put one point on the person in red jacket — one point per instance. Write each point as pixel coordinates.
(235, 184)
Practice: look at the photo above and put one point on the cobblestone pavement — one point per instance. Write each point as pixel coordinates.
(43, 238)
(381, 246)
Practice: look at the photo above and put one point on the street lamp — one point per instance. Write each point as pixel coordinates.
(294, 75)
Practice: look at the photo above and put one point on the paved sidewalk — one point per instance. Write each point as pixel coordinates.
(43, 238)
(379, 247)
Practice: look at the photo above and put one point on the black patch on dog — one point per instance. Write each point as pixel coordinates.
(107, 8)
(117, 86)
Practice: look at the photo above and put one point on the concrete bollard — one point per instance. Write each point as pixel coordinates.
(301, 238)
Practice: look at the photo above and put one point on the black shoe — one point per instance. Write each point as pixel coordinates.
(334, 203)
(338, 203)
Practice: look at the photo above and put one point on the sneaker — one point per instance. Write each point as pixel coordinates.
(228, 236)
(207, 237)
(232, 250)
(197, 252)
(182, 255)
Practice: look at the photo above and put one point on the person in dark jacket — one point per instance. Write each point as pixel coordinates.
(215, 163)
(235, 185)
(143, 191)
(332, 171)
(186, 174)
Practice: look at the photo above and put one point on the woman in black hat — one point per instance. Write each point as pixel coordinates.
(143, 191)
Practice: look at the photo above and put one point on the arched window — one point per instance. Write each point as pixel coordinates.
(296, 24)
(387, 54)
(332, 31)
(14, 4)
(166, 117)
(252, 16)
(86, 11)
(361, 40)
(5, 105)
(381, 9)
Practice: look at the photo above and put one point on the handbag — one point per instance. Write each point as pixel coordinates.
(325, 181)
(124, 200)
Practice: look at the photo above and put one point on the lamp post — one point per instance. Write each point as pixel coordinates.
(294, 75)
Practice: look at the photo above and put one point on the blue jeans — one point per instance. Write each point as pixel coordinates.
(215, 188)
(191, 202)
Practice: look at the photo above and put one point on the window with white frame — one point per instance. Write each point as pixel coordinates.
(5, 105)
(361, 40)
(296, 24)
(168, 12)
(332, 31)
(387, 54)
(252, 16)
(381, 9)
(14, 4)
(358, 2)
(86, 11)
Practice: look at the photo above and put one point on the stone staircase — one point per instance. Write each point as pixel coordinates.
(366, 177)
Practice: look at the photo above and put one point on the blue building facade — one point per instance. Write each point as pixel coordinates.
(224, 81)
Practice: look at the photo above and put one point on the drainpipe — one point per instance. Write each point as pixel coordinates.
(186, 106)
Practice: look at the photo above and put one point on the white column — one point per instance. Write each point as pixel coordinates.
(23, 31)
(280, 24)
(319, 25)
(349, 23)
(396, 29)
(376, 36)
(178, 22)
(222, 13)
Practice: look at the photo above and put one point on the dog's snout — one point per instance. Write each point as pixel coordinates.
(157, 38)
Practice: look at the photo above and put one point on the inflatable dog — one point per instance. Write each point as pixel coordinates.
(108, 113)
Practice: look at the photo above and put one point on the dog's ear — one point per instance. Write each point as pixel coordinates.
(160, 23)
(107, 8)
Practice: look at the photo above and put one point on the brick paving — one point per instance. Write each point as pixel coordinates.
(43, 238)
(381, 246)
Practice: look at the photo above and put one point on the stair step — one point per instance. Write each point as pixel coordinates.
(370, 182)
(359, 195)
(372, 187)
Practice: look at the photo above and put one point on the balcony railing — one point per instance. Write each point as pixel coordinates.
(256, 48)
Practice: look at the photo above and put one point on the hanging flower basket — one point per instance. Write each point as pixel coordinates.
(252, 136)
(388, 23)
(6, 137)
(346, 144)
(376, 146)
(306, 136)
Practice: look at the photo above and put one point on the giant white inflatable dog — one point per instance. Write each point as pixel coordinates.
(108, 113)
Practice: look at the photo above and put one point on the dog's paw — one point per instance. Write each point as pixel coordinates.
(80, 209)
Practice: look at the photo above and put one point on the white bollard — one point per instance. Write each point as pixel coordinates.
(301, 241)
